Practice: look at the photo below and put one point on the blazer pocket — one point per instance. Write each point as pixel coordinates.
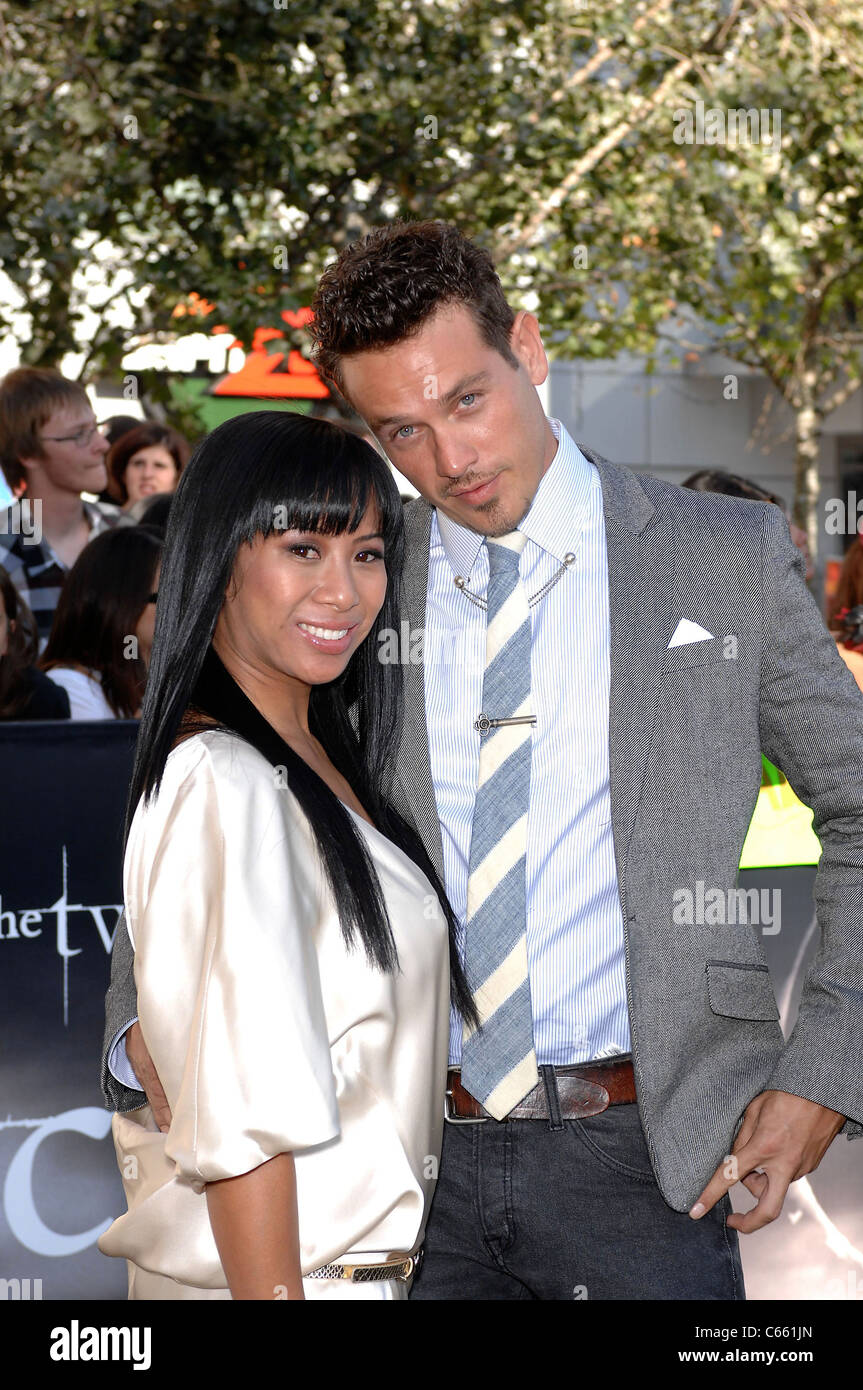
(695, 654)
(737, 990)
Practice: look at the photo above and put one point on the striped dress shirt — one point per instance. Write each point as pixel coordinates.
(575, 941)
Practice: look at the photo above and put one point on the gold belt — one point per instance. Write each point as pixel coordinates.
(401, 1267)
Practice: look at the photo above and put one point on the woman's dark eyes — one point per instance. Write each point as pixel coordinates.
(374, 554)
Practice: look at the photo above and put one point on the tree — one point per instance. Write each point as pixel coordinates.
(155, 149)
(163, 149)
(747, 227)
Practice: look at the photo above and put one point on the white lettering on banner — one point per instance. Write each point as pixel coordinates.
(19, 1206)
(24, 924)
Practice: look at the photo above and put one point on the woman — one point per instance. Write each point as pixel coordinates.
(144, 461)
(99, 646)
(25, 691)
(291, 935)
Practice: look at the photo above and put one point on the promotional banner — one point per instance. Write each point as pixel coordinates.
(64, 796)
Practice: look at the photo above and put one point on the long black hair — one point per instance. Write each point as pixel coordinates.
(258, 473)
(101, 603)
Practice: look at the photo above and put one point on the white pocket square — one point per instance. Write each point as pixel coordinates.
(687, 632)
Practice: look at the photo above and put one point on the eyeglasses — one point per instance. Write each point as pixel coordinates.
(81, 437)
(153, 597)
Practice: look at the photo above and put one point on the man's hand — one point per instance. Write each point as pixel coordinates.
(782, 1138)
(142, 1065)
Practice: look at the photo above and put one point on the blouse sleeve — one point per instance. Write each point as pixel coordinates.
(221, 900)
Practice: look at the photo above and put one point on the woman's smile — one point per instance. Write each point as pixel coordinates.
(331, 639)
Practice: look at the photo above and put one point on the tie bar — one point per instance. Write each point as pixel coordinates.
(483, 724)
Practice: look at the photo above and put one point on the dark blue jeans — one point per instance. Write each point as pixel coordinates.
(524, 1210)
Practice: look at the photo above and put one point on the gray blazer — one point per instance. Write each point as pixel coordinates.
(686, 729)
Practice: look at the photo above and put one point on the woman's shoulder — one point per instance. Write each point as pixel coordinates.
(76, 676)
(221, 762)
(219, 747)
(46, 699)
(216, 788)
(86, 696)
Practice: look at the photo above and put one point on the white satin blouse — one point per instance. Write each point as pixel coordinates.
(267, 1033)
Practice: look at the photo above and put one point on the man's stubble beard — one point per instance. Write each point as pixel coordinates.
(497, 524)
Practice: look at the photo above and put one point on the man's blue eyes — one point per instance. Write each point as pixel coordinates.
(470, 398)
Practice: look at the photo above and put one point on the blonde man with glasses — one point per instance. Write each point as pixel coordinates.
(51, 452)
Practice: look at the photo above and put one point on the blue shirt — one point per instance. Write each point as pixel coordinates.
(575, 941)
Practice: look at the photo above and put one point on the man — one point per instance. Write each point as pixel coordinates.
(51, 451)
(604, 657)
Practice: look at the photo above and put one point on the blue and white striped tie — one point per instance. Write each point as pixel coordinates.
(498, 1065)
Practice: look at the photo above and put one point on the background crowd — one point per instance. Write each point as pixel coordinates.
(80, 551)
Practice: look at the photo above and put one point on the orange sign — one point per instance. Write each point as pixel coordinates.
(275, 374)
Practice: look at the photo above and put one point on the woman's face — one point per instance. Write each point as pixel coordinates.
(299, 604)
(147, 623)
(149, 471)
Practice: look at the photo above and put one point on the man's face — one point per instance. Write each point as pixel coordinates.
(69, 465)
(463, 425)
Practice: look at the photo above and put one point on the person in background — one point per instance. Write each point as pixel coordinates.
(117, 425)
(25, 691)
(153, 512)
(145, 461)
(51, 452)
(99, 648)
(845, 614)
(716, 480)
(111, 429)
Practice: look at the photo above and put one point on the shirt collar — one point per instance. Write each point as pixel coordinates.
(554, 519)
(41, 555)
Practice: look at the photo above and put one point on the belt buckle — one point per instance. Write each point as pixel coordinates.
(413, 1263)
(409, 1266)
(459, 1119)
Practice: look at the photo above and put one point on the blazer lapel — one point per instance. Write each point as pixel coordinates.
(414, 767)
(640, 604)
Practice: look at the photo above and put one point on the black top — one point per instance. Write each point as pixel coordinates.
(46, 700)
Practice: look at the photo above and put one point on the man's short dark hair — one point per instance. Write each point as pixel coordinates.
(382, 289)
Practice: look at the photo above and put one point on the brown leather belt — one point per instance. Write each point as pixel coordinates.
(585, 1089)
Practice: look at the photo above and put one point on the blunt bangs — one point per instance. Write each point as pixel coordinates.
(273, 470)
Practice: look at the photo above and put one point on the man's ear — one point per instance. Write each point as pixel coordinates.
(525, 341)
(28, 466)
